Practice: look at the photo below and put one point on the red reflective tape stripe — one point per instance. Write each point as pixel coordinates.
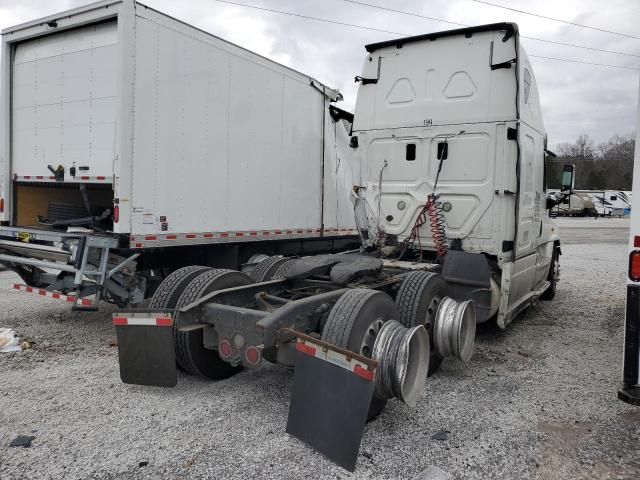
(101, 178)
(239, 234)
(16, 286)
(29, 289)
(289, 232)
(51, 177)
(172, 237)
(150, 237)
(56, 296)
(190, 235)
(138, 245)
(85, 178)
(304, 348)
(208, 235)
(253, 234)
(71, 299)
(266, 233)
(636, 241)
(39, 177)
(86, 302)
(163, 322)
(278, 232)
(224, 235)
(120, 321)
(42, 292)
(27, 177)
(300, 231)
(363, 373)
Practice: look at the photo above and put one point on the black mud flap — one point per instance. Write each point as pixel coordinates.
(330, 397)
(468, 276)
(145, 349)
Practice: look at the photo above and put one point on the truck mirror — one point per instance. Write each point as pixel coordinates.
(568, 178)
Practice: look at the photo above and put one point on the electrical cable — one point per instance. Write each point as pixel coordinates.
(291, 14)
(413, 14)
(556, 19)
(307, 17)
(584, 63)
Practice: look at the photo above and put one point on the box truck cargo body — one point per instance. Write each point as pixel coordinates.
(163, 135)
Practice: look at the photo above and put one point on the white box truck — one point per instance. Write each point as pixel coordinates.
(132, 144)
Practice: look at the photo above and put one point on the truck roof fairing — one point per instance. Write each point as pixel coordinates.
(510, 29)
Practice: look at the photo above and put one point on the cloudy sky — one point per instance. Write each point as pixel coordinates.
(576, 98)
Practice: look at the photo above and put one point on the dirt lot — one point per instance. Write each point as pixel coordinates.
(536, 401)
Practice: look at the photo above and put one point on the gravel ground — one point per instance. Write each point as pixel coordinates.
(536, 401)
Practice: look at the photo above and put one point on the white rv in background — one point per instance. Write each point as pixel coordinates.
(611, 203)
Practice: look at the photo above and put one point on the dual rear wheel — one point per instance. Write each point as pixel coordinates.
(185, 286)
(353, 322)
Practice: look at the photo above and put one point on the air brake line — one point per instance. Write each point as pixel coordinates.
(431, 211)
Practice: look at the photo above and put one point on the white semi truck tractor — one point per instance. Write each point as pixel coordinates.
(630, 390)
(450, 203)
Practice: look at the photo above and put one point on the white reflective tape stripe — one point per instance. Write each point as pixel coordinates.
(55, 295)
(67, 179)
(143, 321)
(336, 358)
(150, 240)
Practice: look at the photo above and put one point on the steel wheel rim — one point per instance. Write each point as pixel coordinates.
(369, 340)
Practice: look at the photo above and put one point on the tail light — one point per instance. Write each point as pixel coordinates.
(252, 355)
(1, 205)
(224, 349)
(116, 214)
(634, 266)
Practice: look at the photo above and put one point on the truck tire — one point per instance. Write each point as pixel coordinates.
(171, 287)
(283, 269)
(352, 319)
(266, 268)
(417, 300)
(191, 355)
(552, 277)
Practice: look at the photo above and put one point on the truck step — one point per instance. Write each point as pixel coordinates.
(59, 296)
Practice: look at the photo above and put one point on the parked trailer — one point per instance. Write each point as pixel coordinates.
(451, 208)
(579, 203)
(614, 203)
(134, 144)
